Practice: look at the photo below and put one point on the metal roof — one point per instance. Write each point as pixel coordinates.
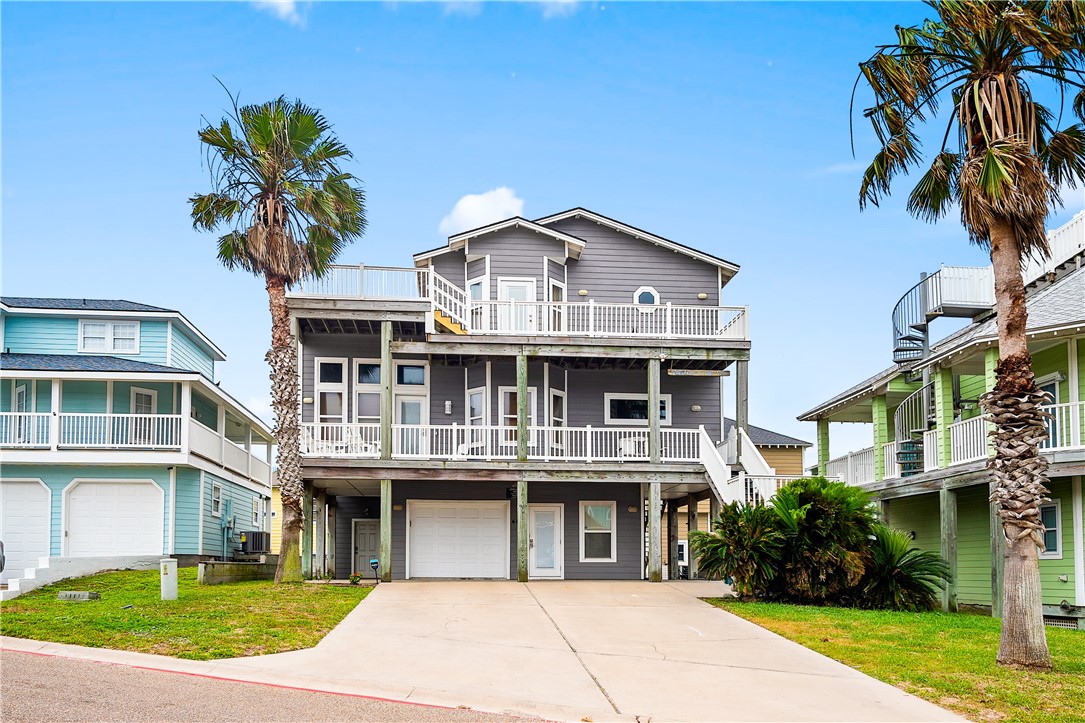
(30, 302)
(82, 363)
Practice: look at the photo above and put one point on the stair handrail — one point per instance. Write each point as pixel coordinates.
(750, 458)
(448, 298)
(717, 472)
(913, 413)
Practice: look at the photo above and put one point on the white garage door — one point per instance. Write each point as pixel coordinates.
(24, 525)
(458, 539)
(114, 518)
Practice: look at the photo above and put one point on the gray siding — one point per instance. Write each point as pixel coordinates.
(347, 509)
(630, 543)
(614, 265)
(451, 266)
(446, 384)
(556, 271)
(519, 253)
(475, 269)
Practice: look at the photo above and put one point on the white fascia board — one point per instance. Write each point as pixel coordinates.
(639, 234)
(179, 376)
(89, 313)
(973, 345)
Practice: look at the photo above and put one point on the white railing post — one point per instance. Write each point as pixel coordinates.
(591, 317)
(54, 420)
(668, 320)
(588, 446)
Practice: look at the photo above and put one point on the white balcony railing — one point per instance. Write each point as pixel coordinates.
(758, 489)
(854, 468)
(889, 459)
(931, 439)
(25, 429)
(462, 442)
(1066, 428)
(121, 431)
(1065, 242)
(368, 282)
(968, 440)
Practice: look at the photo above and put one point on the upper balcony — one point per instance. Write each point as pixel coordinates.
(954, 291)
(445, 307)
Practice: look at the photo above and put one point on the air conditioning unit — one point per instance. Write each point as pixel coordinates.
(255, 542)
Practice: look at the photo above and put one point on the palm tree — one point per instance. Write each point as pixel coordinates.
(287, 209)
(1004, 168)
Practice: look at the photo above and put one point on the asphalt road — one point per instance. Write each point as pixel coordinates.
(40, 688)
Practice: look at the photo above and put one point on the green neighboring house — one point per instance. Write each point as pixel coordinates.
(926, 465)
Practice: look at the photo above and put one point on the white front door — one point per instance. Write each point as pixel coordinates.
(24, 525)
(412, 411)
(458, 539)
(366, 545)
(22, 421)
(519, 315)
(545, 548)
(142, 428)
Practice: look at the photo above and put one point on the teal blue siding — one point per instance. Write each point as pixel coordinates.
(57, 477)
(6, 399)
(122, 396)
(45, 394)
(83, 397)
(186, 540)
(186, 354)
(205, 411)
(38, 394)
(240, 500)
(60, 335)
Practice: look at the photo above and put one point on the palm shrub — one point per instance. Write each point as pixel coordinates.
(827, 527)
(744, 545)
(900, 577)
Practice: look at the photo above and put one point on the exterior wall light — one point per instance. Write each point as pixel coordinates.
(582, 292)
(695, 408)
(448, 406)
(397, 508)
(702, 296)
(307, 400)
(631, 508)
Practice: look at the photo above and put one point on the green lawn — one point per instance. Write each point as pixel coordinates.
(948, 659)
(204, 623)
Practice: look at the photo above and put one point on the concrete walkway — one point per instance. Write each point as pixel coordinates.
(564, 650)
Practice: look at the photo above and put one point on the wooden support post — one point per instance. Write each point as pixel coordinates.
(823, 447)
(522, 531)
(947, 512)
(307, 532)
(742, 402)
(943, 413)
(998, 557)
(385, 554)
(880, 413)
(386, 390)
(522, 413)
(330, 537)
(320, 531)
(691, 526)
(672, 539)
(655, 543)
(654, 455)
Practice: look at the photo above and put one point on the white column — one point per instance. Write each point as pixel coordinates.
(173, 509)
(186, 414)
(1079, 541)
(54, 420)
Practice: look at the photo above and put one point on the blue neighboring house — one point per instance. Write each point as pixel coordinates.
(116, 442)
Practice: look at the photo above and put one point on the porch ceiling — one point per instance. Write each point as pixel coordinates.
(324, 325)
(569, 362)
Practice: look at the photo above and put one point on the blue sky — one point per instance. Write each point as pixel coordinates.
(722, 126)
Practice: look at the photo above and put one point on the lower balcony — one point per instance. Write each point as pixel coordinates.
(499, 443)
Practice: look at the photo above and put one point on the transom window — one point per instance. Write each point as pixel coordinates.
(109, 337)
(410, 375)
(632, 409)
(1051, 517)
(598, 538)
(646, 295)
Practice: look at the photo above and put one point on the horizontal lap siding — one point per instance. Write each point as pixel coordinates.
(186, 539)
(785, 460)
(41, 335)
(83, 397)
(122, 396)
(973, 546)
(614, 265)
(972, 387)
(43, 401)
(346, 510)
(186, 354)
(451, 266)
(517, 253)
(351, 347)
(475, 268)
(503, 374)
(240, 500)
(205, 411)
(446, 384)
(630, 542)
(918, 514)
(1055, 591)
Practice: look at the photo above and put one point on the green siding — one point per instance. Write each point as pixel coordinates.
(918, 514)
(205, 411)
(972, 387)
(973, 546)
(83, 397)
(186, 354)
(1051, 361)
(1056, 591)
(240, 500)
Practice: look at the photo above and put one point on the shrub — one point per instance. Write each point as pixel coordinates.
(743, 545)
(900, 577)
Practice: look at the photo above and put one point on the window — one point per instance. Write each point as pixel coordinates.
(646, 295)
(1050, 384)
(367, 391)
(216, 499)
(411, 375)
(109, 337)
(682, 546)
(476, 289)
(598, 541)
(632, 409)
(331, 390)
(476, 407)
(256, 513)
(1051, 517)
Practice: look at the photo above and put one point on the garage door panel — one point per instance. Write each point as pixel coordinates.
(24, 525)
(114, 518)
(459, 539)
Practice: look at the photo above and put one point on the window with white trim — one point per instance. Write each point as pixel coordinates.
(1051, 518)
(256, 513)
(412, 374)
(598, 532)
(646, 296)
(108, 337)
(507, 412)
(367, 391)
(216, 499)
(632, 409)
(330, 381)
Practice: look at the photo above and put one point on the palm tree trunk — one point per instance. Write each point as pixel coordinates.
(1017, 469)
(282, 360)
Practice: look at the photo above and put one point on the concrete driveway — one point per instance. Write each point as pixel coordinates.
(573, 651)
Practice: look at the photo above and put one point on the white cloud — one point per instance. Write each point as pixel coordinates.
(559, 8)
(287, 10)
(470, 8)
(479, 209)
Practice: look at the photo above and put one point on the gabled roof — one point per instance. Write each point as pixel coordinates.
(864, 387)
(457, 241)
(82, 363)
(638, 233)
(35, 306)
(766, 437)
(29, 302)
